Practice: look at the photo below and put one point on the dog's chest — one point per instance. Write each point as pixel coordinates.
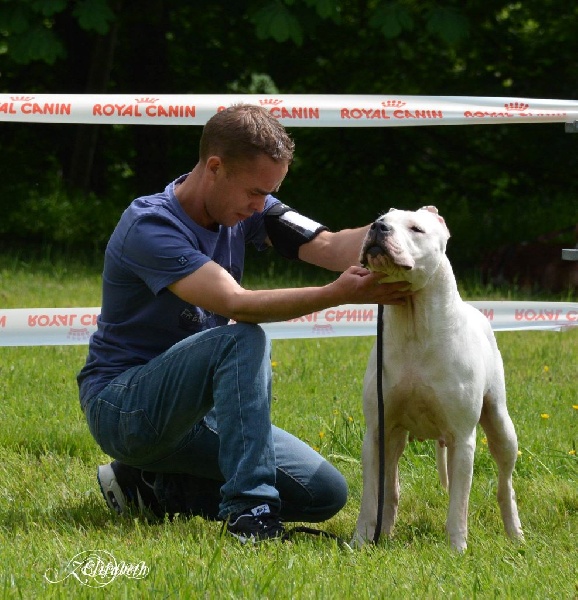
(416, 405)
(434, 383)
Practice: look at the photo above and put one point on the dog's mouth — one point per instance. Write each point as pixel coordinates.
(370, 252)
(376, 258)
(382, 263)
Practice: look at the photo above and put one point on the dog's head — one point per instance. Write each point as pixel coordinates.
(406, 245)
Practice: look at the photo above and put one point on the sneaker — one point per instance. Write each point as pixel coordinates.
(255, 525)
(123, 486)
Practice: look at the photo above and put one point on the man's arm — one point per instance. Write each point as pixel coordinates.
(212, 288)
(335, 251)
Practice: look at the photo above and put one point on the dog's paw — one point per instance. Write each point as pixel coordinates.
(358, 541)
(516, 535)
(458, 538)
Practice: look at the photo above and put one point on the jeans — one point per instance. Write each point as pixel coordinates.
(203, 408)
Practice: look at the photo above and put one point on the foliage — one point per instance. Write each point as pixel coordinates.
(65, 219)
(27, 26)
(493, 184)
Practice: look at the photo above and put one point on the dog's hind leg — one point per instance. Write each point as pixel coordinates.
(503, 445)
(442, 463)
(460, 471)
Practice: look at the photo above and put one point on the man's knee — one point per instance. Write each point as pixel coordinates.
(252, 336)
(323, 497)
(332, 495)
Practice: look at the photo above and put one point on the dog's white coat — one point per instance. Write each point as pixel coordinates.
(442, 375)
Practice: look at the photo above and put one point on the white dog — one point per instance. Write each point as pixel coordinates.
(442, 375)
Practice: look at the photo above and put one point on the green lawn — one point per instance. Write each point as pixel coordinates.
(51, 510)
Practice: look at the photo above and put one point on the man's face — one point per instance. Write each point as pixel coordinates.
(239, 190)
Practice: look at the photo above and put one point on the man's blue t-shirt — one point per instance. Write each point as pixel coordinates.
(155, 244)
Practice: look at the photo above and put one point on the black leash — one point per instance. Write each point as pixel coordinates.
(289, 533)
(381, 442)
(380, 425)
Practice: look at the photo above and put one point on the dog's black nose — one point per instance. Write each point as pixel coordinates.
(381, 227)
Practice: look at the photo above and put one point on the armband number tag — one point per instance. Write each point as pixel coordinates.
(305, 223)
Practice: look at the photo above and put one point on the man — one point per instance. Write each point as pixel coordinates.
(176, 394)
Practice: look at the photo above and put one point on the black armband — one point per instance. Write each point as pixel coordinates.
(288, 230)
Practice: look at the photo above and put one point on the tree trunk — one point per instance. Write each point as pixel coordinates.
(86, 138)
(148, 74)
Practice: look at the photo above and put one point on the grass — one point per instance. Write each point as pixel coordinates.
(51, 509)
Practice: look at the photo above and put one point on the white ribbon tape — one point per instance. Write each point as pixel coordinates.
(72, 326)
(69, 326)
(297, 110)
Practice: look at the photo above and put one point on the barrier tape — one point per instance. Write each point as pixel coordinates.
(70, 326)
(74, 326)
(298, 110)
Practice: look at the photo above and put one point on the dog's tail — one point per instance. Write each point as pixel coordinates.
(442, 464)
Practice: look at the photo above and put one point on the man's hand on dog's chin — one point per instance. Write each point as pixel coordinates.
(365, 287)
(402, 286)
(395, 293)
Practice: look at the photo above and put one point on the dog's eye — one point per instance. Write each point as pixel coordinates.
(417, 229)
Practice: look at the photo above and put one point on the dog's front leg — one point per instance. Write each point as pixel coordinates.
(367, 521)
(460, 472)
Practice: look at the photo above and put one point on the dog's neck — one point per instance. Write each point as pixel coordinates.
(439, 297)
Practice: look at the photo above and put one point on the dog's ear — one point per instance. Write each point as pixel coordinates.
(392, 209)
(434, 210)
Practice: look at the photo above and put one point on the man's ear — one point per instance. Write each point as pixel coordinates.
(213, 164)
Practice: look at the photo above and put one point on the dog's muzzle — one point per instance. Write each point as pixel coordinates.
(373, 245)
